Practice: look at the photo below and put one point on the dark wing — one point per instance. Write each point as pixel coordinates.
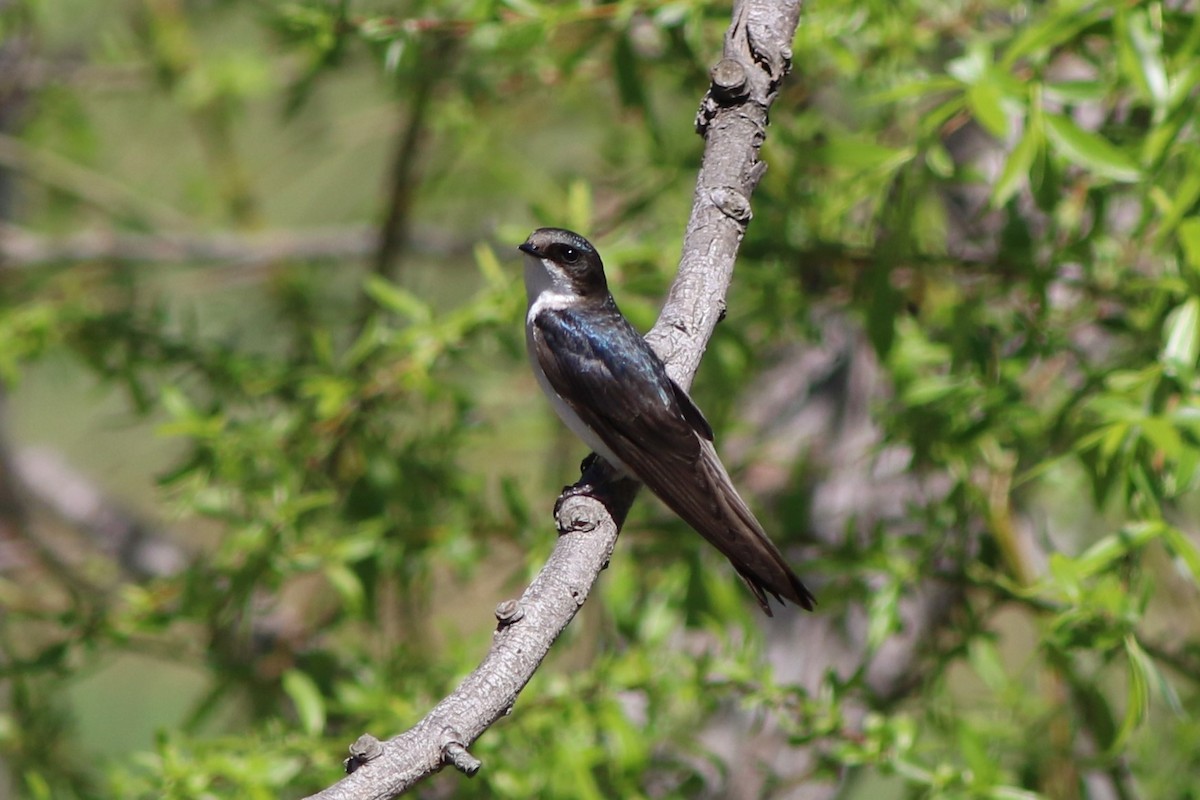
(621, 390)
(691, 412)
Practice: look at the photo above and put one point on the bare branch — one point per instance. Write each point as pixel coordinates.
(22, 249)
(113, 530)
(733, 119)
(104, 193)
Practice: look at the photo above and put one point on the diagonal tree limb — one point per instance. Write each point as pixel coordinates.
(141, 550)
(733, 120)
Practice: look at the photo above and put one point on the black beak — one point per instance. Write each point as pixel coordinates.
(528, 248)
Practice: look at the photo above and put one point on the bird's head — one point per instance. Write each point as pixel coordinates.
(562, 262)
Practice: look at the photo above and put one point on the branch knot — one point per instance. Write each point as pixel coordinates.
(732, 203)
(509, 612)
(572, 513)
(365, 748)
(730, 83)
(455, 753)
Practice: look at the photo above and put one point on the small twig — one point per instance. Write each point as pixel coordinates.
(436, 54)
(456, 755)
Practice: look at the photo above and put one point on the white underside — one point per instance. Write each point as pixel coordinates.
(546, 289)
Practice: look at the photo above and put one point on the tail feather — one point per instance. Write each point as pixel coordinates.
(733, 529)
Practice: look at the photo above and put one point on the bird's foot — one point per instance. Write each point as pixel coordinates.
(600, 482)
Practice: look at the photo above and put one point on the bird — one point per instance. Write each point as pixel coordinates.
(612, 390)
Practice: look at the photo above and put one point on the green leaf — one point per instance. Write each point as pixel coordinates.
(1181, 333)
(1090, 151)
(1188, 235)
(397, 300)
(632, 84)
(986, 101)
(1163, 139)
(885, 304)
(972, 66)
(1072, 92)
(37, 786)
(930, 389)
(1140, 55)
(985, 660)
(514, 501)
(1142, 675)
(1012, 793)
(1184, 199)
(489, 265)
(1184, 550)
(1163, 436)
(920, 87)
(347, 585)
(306, 697)
(579, 205)
(1019, 165)
(1038, 40)
(1109, 549)
(1183, 84)
(883, 616)
(860, 154)
(939, 161)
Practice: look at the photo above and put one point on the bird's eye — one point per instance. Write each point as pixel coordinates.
(568, 255)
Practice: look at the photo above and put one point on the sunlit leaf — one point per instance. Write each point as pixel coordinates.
(860, 154)
(986, 102)
(1071, 92)
(1137, 696)
(306, 697)
(985, 660)
(579, 206)
(1181, 335)
(397, 300)
(1141, 54)
(883, 616)
(924, 86)
(489, 265)
(1184, 550)
(1104, 552)
(347, 585)
(1012, 793)
(1163, 436)
(972, 66)
(1088, 150)
(1188, 235)
(1183, 201)
(1018, 165)
(1038, 39)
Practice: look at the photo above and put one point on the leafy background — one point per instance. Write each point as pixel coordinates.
(957, 379)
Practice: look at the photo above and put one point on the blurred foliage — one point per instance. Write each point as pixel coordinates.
(1003, 194)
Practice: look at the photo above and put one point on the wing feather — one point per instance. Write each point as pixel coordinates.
(624, 395)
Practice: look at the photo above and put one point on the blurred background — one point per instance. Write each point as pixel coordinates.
(270, 451)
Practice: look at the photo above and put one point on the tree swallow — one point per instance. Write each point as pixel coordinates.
(613, 392)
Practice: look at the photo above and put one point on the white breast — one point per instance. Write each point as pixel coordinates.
(544, 289)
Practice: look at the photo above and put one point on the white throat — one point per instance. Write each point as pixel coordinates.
(545, 285)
